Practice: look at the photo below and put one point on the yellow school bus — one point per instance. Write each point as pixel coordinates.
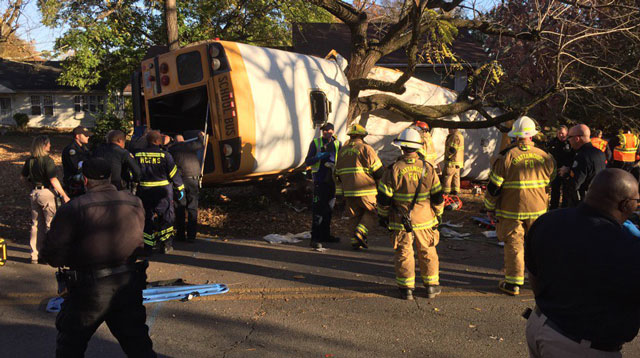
(260, 107)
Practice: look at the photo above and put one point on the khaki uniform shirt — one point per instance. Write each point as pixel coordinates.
(454, 150)
(428, 150)
(356, 163)
(518, 181)
(400, 182)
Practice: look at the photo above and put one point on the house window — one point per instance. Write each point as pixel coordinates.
(5, 105)
(48, 105)
(100, 100)
(88, 104)
(92, 103)
(77, 104)
(36, 110)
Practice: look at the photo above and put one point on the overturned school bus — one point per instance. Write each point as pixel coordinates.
(259, 107)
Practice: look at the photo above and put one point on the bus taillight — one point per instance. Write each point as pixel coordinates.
(165, 80)
(164, 68)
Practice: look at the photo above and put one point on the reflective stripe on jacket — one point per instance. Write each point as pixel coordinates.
(599, 143)
(158, 168)
(518, 181)
(626, 150)
(454, 150)
(355, 165)
(318, 145)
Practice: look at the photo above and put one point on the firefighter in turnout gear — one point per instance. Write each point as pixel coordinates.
(516, 196)
(357, 169)
(428, 150)
(453, 161)
(410, 203)
(321, 156)
(625, 146)
(159, 171)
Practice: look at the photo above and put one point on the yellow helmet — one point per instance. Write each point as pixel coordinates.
(357, 129)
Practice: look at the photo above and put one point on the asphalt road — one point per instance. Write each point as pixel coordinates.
(290, 301)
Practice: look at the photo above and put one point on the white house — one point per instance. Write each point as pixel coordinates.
(32, 88)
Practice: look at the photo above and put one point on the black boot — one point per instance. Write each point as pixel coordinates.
(315, 244)
(433, 291)
(406, 294)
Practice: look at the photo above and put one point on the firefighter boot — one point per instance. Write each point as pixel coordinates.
(359, 240)
(433, 290)
(406, 294)
(509, 288)
(166, 246)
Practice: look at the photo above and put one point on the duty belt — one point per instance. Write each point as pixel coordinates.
(99, 273)
(601, 346)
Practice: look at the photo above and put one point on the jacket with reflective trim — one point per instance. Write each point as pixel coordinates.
(355, 167)
(454, 150)
(626, 150)
(518, 181)
(428, 150)
(398, 186)
(599, 143)
(158, 168)
(321, 173)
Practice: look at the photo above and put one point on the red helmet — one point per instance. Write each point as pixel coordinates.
(422, 125)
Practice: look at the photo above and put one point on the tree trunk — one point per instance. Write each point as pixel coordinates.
(171, 19)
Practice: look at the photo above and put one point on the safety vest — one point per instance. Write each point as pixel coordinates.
(318, 143)
(599, 143)
(626, 150)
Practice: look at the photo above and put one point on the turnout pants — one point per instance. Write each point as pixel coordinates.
(426, 241)
(512, 232)
(323, 201)
(191, 193)
(361, 211)
(451, 179)
(43, 209)
(116, 300)
(159, 215)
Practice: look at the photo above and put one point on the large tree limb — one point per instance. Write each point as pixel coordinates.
(490, 28)
(340, 9)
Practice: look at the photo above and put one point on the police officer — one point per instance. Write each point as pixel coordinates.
(321, 156)
(125, 170)
(73, 156)
(560, 149)
(159, 172)
(587, 163)
(516, 196)
(98, 236)
(357, 169)
(453, 161)
(411, 176)
(185, 155)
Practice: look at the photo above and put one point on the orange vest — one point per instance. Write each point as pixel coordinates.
(626, 150)
(599, 143)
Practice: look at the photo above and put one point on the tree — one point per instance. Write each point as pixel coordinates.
(427, 28)
(11, 11)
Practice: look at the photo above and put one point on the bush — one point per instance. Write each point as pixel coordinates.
(22, 119)
(106, 122)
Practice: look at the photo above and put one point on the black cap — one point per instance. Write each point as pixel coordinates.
(82, 130)
(327, 126)
(96, 168)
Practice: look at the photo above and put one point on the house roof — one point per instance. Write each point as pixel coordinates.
(27, 76)
(318, 39)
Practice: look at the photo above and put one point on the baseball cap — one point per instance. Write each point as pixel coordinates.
(96, 168)
(327, 126)
(82, 130)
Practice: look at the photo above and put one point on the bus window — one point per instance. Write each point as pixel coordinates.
(189, 68)
(319, 108)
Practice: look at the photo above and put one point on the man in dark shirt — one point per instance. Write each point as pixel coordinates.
(185, 154)
(587, 163)
(560, 149)
(125, 170)
(73, 155)
(584, 268)
(98, 236)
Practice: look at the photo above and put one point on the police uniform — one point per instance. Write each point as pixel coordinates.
(185, 155)
(625, 148)
(324, 188)
(125, 169)
(72, 156)
(453, 162)
(98, 235)
(587, 163)
(396, 191)
(563, 155)
(517, 194)
(357, 169)
(159, 172)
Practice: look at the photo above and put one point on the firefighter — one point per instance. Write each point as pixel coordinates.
(159, 171)
(321, 156)
(428, 150)
(357, 169)
(453, 161)
(412, 176)
(625, 146)
(73, 155)
(516, 196)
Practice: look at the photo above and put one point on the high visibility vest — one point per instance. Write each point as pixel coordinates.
(626, 150)
(318, 143)
(599, 143)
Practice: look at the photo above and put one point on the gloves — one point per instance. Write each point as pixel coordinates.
(180, 195)
(383, 221)
(323, 155)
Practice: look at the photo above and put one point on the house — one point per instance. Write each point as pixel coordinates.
(318, 39)
(31, 87)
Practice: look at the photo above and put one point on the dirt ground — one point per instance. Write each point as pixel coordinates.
(249, 211)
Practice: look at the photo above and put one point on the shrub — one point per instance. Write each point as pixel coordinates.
(22, 119)
(106, 122)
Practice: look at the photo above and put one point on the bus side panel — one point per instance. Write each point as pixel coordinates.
(281, 83)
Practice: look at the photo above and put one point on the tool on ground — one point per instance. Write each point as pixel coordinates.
(484, 222)
(452, 202)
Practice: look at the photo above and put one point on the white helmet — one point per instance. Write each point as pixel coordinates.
(409, 138)
(524, 127)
